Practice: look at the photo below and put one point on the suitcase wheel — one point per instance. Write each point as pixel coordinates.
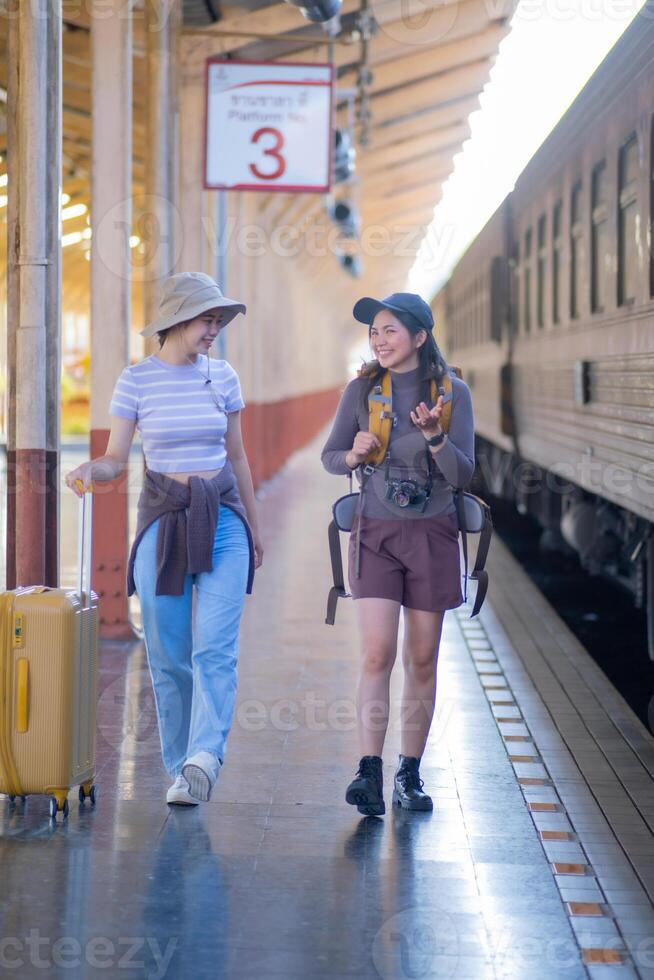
(87, 790)
(12, 799)
(58, 803)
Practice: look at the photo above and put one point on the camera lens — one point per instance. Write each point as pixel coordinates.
(402, 499)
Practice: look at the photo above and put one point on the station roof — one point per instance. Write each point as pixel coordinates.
(426, 71)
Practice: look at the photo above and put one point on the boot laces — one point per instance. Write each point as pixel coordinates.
(368, 767)
(410, 777)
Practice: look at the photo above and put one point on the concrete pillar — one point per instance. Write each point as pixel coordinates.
(192, 249)
(111, 222)
(162, 21)
(33, 290)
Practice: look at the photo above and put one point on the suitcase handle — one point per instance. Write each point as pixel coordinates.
(84, 543)
(22, 694)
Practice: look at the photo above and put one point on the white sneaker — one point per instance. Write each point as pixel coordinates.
(201, 772)
(178, 793)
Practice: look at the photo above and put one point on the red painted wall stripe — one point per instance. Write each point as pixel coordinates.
(30, 504)
(272, 431)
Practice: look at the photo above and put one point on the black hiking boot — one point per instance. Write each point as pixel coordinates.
(366, 789)
(408, 786)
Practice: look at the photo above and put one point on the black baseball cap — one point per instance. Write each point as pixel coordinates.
(366, 309)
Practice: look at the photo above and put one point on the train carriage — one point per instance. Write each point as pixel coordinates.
(550, 314)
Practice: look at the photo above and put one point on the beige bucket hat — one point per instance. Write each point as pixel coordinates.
(187, 295)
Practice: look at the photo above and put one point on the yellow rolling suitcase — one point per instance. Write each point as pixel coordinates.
(48, 685)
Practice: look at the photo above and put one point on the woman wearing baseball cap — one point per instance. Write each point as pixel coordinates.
(196, 527)
(404, 550)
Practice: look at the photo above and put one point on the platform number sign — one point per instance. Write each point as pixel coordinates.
(268, 126)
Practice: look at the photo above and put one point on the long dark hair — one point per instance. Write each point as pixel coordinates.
(431, 362)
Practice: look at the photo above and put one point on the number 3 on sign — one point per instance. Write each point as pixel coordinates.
(270, 151)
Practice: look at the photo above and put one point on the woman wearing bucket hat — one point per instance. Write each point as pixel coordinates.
(404, 550)
(197, 542)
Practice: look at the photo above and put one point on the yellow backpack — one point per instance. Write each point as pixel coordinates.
(381, 415)
(473, 513)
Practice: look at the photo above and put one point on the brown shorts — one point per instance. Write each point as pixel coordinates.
(415, 562)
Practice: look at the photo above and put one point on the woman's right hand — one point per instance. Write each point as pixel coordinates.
(83, 473)
(364, 443)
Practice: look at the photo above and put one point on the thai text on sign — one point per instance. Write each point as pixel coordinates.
(268, 126)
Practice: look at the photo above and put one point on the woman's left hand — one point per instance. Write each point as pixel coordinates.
(428, 420)
(258, 551)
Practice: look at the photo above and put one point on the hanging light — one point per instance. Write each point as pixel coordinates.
(344, 156)
(74, 211)
(317, 11)
(345, 217)
(351, 263)
(74, 238)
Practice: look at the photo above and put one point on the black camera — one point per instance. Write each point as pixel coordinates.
(407, 493)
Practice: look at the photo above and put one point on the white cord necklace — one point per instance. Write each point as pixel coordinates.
(208, 380)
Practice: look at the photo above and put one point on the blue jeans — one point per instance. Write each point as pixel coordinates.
(192, 646)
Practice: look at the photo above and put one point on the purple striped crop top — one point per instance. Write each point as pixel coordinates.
(182, 420)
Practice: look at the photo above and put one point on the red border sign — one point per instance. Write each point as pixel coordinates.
(273, 133)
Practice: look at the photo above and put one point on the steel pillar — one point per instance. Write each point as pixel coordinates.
(33, 291)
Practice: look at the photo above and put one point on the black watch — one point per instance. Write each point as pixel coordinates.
(436, 440)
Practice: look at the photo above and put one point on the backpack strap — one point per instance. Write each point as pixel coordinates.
(380, 418)
(478, 572)
(443, 388)
(482, 586)
(338, 590)
(461, 517)
(381, 415)
(484, 539)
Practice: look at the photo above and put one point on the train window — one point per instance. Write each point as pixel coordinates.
(556, 260)
(628, 221)
(599, 240)
(526, 279)
(499, 296)
(540, 273)
(576, 233)
(515, 278)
